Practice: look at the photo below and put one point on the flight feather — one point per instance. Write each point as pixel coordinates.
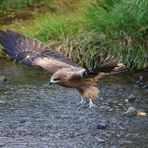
(32, 52)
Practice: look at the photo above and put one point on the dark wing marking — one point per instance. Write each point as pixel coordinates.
(32, 52)
(109, 66)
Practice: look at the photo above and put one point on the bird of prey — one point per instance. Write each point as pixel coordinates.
(64, 72)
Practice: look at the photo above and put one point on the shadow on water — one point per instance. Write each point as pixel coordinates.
(32, 114)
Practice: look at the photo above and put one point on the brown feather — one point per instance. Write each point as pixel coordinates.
(90, 92)
(110, 66)
(32, 52)
(87, 88)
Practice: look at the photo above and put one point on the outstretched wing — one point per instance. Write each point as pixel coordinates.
(109, 66)
(32, 52)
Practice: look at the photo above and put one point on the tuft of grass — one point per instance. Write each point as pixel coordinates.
(54, 27)
(124, 26)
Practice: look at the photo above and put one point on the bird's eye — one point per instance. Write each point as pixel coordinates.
(56, 79)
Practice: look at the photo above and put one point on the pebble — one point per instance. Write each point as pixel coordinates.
(3, 79)
(23, 121)
(132, 98)
(145, 86)
(102, 125)
(141, 113)
(2, 102)
(141, 78)
(139, 84)
(131, 111)
(110, 110)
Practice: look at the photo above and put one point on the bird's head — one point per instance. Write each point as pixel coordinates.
(59, 77)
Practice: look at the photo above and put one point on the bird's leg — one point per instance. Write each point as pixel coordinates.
(91, 104)
(82, 100)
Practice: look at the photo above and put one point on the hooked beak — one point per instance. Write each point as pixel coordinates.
(50, 82)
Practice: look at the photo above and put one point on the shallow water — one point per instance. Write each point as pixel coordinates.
(34, 114)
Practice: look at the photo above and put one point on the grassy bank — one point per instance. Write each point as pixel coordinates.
(124, 27)
(86, 30)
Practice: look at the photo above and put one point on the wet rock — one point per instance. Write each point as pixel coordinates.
(139, 84)
(145, 86)
(102, 125)
(2, 145)
(3, 79)
(141, 78)
(132, 98)
(110, 110)
(23, 121)
(2, 102)
(131, 111)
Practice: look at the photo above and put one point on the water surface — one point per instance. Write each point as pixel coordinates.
(33, 114)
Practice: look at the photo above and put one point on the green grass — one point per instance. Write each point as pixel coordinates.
(124, 29)
(87, 31)
(53, 5)
(17, 4)
(53, 27)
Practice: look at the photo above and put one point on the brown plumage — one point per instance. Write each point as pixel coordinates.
(64, 72)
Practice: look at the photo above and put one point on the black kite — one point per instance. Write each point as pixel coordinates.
(64, 72)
